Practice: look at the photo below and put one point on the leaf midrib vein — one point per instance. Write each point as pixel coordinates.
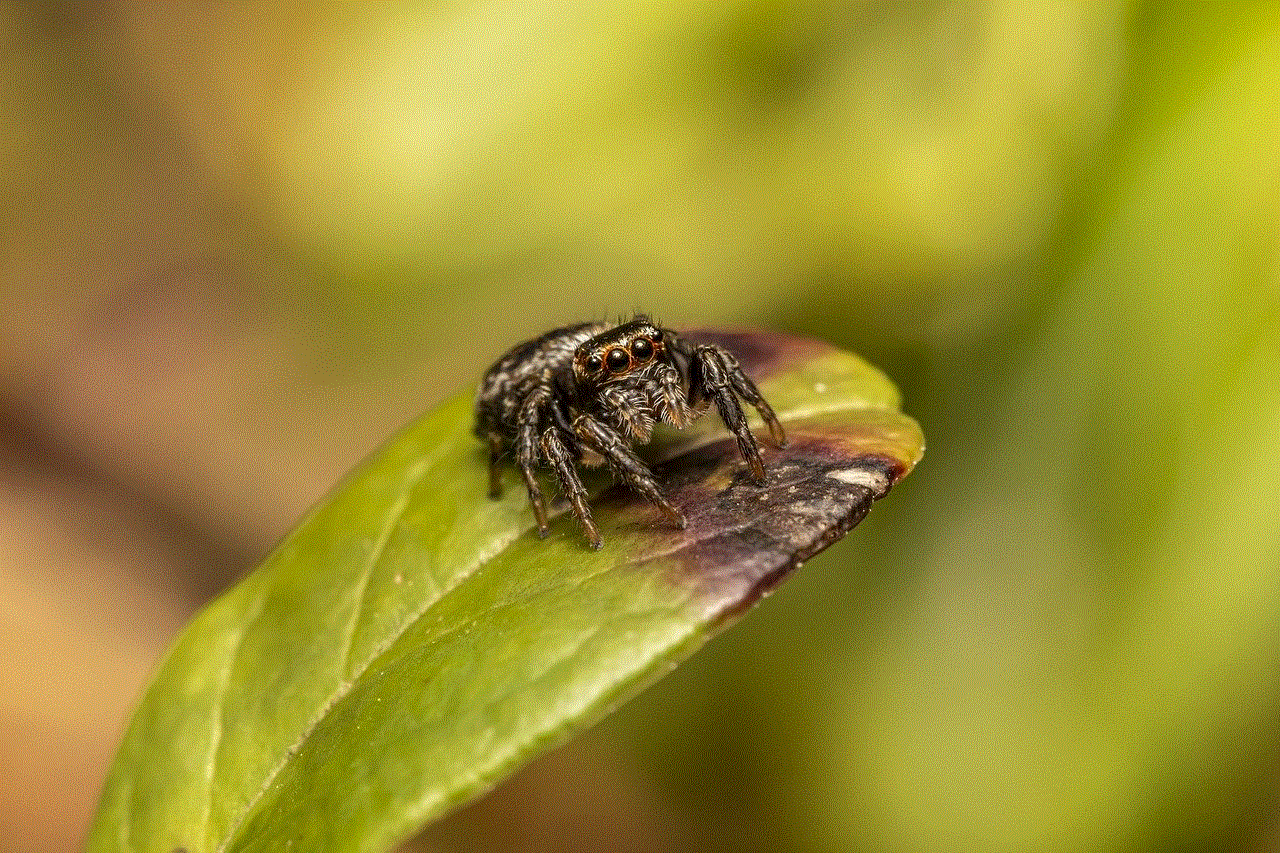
(346, 684)
(215, 741)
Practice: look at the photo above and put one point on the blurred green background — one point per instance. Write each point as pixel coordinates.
(242, 243)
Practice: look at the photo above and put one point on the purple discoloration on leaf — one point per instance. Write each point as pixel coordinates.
(744, 539)
(763, 354)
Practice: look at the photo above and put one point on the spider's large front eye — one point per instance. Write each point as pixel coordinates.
(618, 359)
(593, 363)
(641, 348)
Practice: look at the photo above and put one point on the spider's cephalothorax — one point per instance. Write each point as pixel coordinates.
(587, 393)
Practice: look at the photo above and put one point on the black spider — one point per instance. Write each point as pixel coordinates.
(587, 393)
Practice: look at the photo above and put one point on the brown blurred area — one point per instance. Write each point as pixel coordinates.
(242, 243)
(171, 397)
(159, 425)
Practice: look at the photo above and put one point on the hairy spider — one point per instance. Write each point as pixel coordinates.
(587, 393)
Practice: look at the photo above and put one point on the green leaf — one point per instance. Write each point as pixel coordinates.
(412, 641)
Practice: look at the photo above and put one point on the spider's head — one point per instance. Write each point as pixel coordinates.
(625, 355)
(626, 374)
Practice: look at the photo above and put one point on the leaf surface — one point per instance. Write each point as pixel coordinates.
(411, 642)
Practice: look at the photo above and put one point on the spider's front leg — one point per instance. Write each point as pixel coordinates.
(626, 466)
(720, 378)
(560, 458)
(538, 438)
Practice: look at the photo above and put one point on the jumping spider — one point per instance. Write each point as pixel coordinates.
(587, 393)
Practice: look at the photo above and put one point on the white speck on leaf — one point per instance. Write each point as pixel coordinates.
(873, 480)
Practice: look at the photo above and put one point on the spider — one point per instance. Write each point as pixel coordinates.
(588, 393)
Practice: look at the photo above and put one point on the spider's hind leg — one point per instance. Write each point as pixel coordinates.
(721, 379)
(495, 472)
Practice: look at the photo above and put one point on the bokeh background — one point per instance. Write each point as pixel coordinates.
(240, 244)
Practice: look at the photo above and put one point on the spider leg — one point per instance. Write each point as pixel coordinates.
(561, 461)
(748, 391)
(526, 442)
(495, 454)
(716, 368)
(628, 467)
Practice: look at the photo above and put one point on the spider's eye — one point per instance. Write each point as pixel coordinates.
(657, 334)
(641, 348)
(593, 363)
(618, 359)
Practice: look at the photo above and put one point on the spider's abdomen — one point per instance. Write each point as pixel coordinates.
(506, 383)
